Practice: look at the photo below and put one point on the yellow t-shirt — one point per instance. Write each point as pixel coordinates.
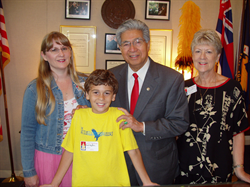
(98, 146)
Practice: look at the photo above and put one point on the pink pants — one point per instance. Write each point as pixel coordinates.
(46, 165)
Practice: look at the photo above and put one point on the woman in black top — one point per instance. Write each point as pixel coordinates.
(213, 146)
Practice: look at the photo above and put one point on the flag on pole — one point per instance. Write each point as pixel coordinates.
(225, 30)
(243, 70)
(4, 45)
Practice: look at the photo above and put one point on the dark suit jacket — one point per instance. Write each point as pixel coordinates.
(163, 106)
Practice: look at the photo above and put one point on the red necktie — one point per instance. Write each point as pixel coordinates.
(134, 94)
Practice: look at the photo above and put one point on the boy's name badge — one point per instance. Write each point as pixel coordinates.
(191, 89)
(89, 146)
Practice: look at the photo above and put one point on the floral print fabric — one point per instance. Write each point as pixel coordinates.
(68, 107)
(205, 149)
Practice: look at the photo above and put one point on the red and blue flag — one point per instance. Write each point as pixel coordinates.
(225, 29)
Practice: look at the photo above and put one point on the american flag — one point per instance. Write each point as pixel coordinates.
(4, 45)
(225, 29)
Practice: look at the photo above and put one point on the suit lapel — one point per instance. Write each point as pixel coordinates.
(147, 90)
(123, 88)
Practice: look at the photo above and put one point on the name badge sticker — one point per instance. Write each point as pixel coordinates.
(191, 89)
(89, 146)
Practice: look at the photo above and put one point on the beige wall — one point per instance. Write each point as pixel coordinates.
(27, 21)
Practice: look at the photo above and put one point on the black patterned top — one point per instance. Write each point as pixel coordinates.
(205, 149)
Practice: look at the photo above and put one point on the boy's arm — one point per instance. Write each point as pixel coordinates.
(65, 162)
(135, 156)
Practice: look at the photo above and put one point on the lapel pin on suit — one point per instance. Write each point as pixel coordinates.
(148, 88)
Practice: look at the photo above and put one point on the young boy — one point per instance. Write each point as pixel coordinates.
(96, 143)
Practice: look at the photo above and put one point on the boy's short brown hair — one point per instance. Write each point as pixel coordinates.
(101, 77)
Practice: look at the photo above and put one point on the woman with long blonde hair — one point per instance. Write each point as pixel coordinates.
(46, 112)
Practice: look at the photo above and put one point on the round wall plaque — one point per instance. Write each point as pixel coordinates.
(115, 12)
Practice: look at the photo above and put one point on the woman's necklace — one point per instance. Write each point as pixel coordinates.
(202, 94)
(201, 100)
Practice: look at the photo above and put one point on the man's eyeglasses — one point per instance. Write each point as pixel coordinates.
(56, 50)
(136, 43)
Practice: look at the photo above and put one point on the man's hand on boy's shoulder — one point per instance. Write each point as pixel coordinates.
(130, 121)
(77, 108)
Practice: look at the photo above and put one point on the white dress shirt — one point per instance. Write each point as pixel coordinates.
(141, 76)
(131, 80)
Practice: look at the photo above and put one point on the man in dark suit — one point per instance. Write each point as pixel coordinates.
(73, 9)
(161, 111)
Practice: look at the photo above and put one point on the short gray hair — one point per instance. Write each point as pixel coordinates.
(207, 36)
(132, 24)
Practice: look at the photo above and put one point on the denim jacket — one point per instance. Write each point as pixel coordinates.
(43, 138)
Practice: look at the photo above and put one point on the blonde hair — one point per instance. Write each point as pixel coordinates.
(45, 97)
(207, 36)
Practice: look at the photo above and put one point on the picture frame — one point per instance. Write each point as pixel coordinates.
(157, 10)
(78, 9)
(83, 42)
(113, 63)
(111, 46)
(161, 46)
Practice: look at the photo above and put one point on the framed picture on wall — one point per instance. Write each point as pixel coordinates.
(83, 41)
(157, 9)
(113, 63)
(111, 46)
(161, 46)
(77, 9)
